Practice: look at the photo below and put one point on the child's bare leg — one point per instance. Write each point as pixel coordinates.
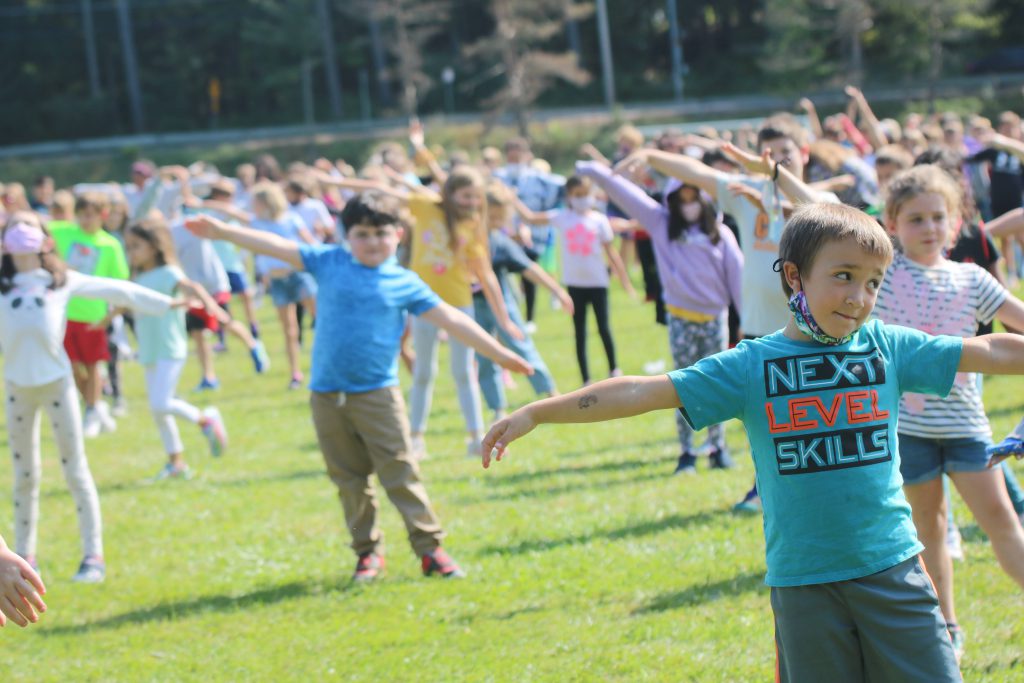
(985, 494)
(928, 503)
(290, 325)
(204, 354)
(93, 385)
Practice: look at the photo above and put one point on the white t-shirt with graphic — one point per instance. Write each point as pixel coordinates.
(950, 298)
(582, 239)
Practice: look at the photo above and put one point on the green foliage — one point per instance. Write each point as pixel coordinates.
(257, 48)
(587, 561)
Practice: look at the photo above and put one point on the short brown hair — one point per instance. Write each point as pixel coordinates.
(96, 201)
(812, 226)
(894, 155)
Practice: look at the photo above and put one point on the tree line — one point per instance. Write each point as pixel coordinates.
(83, 68)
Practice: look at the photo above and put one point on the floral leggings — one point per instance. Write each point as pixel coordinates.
(691, 341)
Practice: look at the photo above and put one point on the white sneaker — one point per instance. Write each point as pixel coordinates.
(107, 421)
(419, 447)
(473, 445)
(955, 544)
(530, 327)
(91, 426)
(120, 407)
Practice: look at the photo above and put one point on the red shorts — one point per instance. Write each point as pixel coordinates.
(84, 345)
(198, 318)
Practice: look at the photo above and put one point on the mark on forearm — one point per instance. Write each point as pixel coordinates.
(587, 400)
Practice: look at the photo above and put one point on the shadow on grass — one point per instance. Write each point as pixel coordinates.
(506, 496)
(149, 484)
(643, 529)
(732, 586)
(286, 476)
(1014, 410)
(183, 609)
(514, 478)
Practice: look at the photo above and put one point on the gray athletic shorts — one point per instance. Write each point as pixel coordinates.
(882, 627)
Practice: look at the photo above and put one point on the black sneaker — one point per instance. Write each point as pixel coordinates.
(687, 464)
(439, 562)
(368, 568)
(719, 459)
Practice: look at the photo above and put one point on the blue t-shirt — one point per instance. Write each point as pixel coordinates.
(287, 227)
(822, 427)
(360, 317)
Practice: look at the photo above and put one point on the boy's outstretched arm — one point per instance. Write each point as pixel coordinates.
(993, 354)
(257, 241)
(465, 329)
(606, 400)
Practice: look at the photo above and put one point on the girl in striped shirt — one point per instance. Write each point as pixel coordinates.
(924, 290)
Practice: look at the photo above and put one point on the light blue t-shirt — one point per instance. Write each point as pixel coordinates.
(161, 337)
(822, 427)
(360, 317)
(288, 227)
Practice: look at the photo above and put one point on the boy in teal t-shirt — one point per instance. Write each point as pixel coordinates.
(87, 248)
(820, 402)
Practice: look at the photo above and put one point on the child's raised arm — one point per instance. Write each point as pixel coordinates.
(20, 589)
(690, 171)
(537, 275)
(465, 329)
(610, 399)
(256, 241)
(796, 189)
(530, 216)
(993, 354)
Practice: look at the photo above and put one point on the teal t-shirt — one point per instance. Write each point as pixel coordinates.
(161, 337)
(822, 427)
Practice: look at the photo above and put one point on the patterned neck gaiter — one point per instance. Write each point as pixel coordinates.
(808, 325)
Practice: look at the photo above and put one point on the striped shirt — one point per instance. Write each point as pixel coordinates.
(950, 298)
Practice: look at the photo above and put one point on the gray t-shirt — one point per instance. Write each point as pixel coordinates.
(199, 260)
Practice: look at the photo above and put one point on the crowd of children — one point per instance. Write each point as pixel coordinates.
(859, 383)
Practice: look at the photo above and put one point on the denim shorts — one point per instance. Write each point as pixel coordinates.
(292, 289)
(238, 282)
(922, 459)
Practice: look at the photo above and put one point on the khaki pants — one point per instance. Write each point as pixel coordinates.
(360, 434)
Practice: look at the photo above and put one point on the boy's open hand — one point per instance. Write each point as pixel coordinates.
(20, 590)
(503, 433)
(632, 163)
(1010, 446)
(202, 226)
(752, 162)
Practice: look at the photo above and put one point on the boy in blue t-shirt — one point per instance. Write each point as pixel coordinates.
(820, 401)
(359, 415)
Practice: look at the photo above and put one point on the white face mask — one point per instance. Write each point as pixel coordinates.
(692, 211)
(581, 204)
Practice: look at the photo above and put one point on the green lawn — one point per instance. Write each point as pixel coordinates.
(586, 560)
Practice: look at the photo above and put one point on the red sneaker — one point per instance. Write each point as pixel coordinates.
(438, 562)
(369, 567)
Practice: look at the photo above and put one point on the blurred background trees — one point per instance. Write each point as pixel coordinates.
(239, 63)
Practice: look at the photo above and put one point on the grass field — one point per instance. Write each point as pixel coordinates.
(586, 560)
